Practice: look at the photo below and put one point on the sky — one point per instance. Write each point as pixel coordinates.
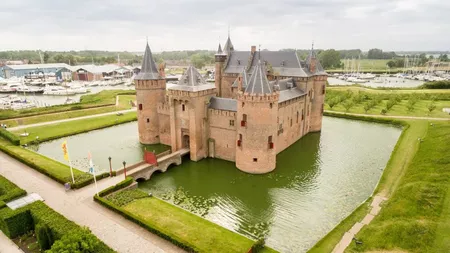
(124, 25)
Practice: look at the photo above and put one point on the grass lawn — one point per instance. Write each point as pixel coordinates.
(54, 131)
(416, 218)
(103, 98)
(202, 235)
(401, 157)
(157, 148)
(421, 109)
(124, 103)
(43, 164)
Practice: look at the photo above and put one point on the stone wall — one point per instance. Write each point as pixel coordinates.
(290, 123)
(222, 134)
(317, 103)
(227, 81)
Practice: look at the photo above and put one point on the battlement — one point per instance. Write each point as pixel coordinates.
(178, 94)
(259, 98)
(150, 84)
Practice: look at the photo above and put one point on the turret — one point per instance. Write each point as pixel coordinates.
(150, 90)
(220, 59)
(317, 93)
(257, 112)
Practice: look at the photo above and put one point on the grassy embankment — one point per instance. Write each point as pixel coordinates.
(55, 131)
(179, 226)
(401, 157)
(416, 218)
(91, 104)
(406, 102)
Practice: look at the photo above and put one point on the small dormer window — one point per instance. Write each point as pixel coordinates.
(239, 62)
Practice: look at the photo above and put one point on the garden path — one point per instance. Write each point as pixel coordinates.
(118, 233)
(8, 246)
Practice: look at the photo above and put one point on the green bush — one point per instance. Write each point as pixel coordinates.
(14, 139)
(80, 240)
(14, 223)
(2, 204)
(85, 179)
(128, 181)
(126, 196)
(436, 85)
(44, 236)
(258, 246)
(9, 191)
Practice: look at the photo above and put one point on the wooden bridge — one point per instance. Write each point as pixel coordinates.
(144, 170)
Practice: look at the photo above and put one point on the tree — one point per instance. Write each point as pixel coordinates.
(330, 59)
(46, 57)
(332, 102)
(431, 107)
(443, 57)
(390, 64)
(348, 105)
(81, 241)
(367, 107)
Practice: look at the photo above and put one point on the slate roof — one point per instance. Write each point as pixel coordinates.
(289, 94)
(226, 104)
(192, 80)
(258, 83)
(283, 63)
(245, 78)
(149, 71)
(228, 47)
(219, 50)
(38, 66)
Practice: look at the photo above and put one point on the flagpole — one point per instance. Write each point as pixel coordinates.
(91, 164)
(70, 163)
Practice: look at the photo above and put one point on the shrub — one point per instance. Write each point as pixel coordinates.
(348, 105)
(9, 191)
(258, 246)
(80, 240)
(14, 223)
(431, 107)
(128, 181)
(44, 236)
(332, 102)
(436, 85)
(390, 104)
(124, 197)
(383, 111)
(367, 107)
(85, 179)
(14, 139)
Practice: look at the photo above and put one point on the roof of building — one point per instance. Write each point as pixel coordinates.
(98, 69)
(219, 50)
(38, 66)
(245, 78)
(149, 71)
(319, 69)
(289, 94)
(258, 83)
(192, 80)
(226, 104)
(281, 63)
(228, 47)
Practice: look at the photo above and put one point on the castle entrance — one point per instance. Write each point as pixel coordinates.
(185, 141)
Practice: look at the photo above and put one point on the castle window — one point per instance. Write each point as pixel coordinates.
(270, 142)
(231, 122)
(297, 117)
(322, 109)
(307, 111)
(183, 107)
(239, 142)
(271, 105)
(303, 115)
(244, 120)
(255, 160)
(140, 107)
(291, 122)
(243, 104)
(148, 120)
(323, 89)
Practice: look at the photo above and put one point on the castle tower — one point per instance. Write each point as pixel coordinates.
(150, 90)
(257, 112)
(220, 59)
(317, 94)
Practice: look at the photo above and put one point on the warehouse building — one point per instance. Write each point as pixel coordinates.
(24, 70)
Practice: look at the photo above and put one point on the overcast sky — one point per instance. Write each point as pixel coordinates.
(199, 24)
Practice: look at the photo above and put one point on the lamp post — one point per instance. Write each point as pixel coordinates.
(110, 168)
(124, 169)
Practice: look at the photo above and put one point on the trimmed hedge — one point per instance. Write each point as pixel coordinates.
(2, 204)
(9, 191)
(15, 223)
(398, 123)
(128, 181)
(87, 179)
(14, 139)
(436, 85)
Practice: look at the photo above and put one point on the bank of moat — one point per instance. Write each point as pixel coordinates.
(260, 104)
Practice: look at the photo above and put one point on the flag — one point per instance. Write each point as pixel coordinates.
(65, 152)
(91, 164)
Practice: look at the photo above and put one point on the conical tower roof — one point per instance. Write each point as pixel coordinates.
(228, 46)
(258, 83)
(192, 77)
(219, 50)
(149, 70)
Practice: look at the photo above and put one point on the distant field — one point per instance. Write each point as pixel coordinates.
(368, 64)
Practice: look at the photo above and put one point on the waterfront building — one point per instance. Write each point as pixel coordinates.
(260, 104)
(23, 70)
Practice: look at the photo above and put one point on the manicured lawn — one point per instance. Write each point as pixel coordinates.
(401, 157)
(200, 234)
(124, 103)
(43, 164)
(420, 110)
(157, 148)
(50, 132)
(416, 217)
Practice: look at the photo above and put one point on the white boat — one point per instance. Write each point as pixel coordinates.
(366, 76)
(78, 89)
(58, 91)
(14, 102)
(26, 89)
(353, 79)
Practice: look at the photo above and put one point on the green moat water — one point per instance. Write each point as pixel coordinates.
(318, 181)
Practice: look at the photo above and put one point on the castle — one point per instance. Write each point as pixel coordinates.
(260, 104)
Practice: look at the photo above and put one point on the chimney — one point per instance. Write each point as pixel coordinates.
(253, 50)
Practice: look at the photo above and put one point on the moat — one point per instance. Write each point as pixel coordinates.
(318, 181)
